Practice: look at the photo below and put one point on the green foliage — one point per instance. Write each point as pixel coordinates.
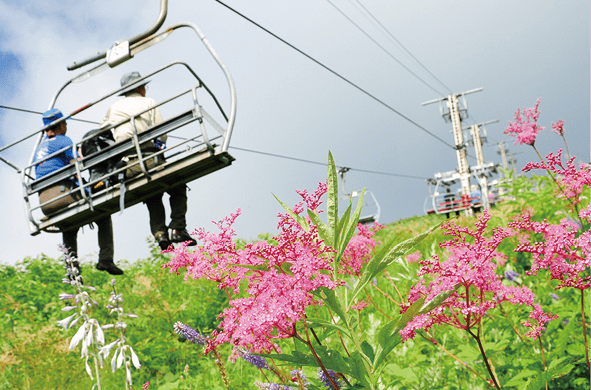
(363, 345)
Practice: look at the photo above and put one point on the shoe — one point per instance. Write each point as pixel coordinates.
(162, 240)
(182, 236)
(110, 267)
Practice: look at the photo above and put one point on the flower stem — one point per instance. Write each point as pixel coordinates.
(309, 343)
(96, 369)
(566, 144)
(585, 327)
(432, 340)
(543, 359)
(488, 367)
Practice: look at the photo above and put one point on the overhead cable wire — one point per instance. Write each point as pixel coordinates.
(325, 164)
(338, 75)
(40, 113)
(242, 149)
(401, 45)
(382, 47)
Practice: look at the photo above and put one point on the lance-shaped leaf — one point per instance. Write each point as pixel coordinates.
(384, 258)
(330, 298)
(298, 218)
(388, 337)
(327, 324)
(347, 226)
(332, 202)
(359, 370)
(322, 227)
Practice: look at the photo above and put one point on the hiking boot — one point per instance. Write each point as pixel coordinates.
(162, 240)
(110, 267)
(182, 236)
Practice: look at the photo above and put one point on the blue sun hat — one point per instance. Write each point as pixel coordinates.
(51, 116)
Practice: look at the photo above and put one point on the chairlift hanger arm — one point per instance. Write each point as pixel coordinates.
(159, 22)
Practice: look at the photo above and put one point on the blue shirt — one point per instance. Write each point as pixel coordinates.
(48, 147)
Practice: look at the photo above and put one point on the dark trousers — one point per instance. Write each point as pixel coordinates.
(105, 240)
(178, 207)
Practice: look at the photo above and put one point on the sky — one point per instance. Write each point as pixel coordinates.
(290, 106)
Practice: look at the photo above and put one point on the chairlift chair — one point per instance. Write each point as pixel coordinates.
(364, 219)
(204, 152)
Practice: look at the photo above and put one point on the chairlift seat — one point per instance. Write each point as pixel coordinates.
(187, 166)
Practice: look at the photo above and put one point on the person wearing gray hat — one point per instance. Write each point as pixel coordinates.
(55, 141)
(135, 101)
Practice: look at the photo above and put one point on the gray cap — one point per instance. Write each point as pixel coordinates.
(129, 79)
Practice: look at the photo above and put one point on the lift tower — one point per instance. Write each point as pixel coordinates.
(482, 170)
(455, 114)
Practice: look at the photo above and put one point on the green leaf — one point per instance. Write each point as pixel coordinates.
(359, 371)
(332, 202)
(297, 357)
(349, 230)
(322, 228)
(388, 337)
(383, 349)
(385, 257)
(262, 267)
(327, 324)
(330, 298)
(298, 218)
(520, 377)
(368, 350)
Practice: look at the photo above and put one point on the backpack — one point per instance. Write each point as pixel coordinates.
(94, 145)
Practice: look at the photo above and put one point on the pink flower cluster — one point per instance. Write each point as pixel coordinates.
(571, 180)
(537, 320)
(470, 266)
(558, 127)
(565, 255)
(414, 257)
(359, 250)
(270, 284)
(525, 129)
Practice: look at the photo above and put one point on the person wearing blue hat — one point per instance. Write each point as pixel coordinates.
(134, 102)
(55, 141)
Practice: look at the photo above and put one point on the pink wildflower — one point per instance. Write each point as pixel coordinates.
(414, 257)
(526, 130)
(572, 181)
(272, 284)
(360, 305)
(471, 266)
(537, 319)
(359, 250)
(586, 213)
(565, 255)
(558, 127)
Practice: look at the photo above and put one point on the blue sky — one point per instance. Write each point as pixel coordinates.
(288, 105)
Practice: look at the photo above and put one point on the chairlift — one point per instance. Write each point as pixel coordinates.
(442, 200)
(186, 158)
(364, 219)
(447, 201)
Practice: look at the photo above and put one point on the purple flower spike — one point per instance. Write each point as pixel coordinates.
(554, 296)
(510, 275)
(255, 360)
(190, 334)
(325, 381)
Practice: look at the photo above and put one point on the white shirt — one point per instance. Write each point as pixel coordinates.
(132, 104)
